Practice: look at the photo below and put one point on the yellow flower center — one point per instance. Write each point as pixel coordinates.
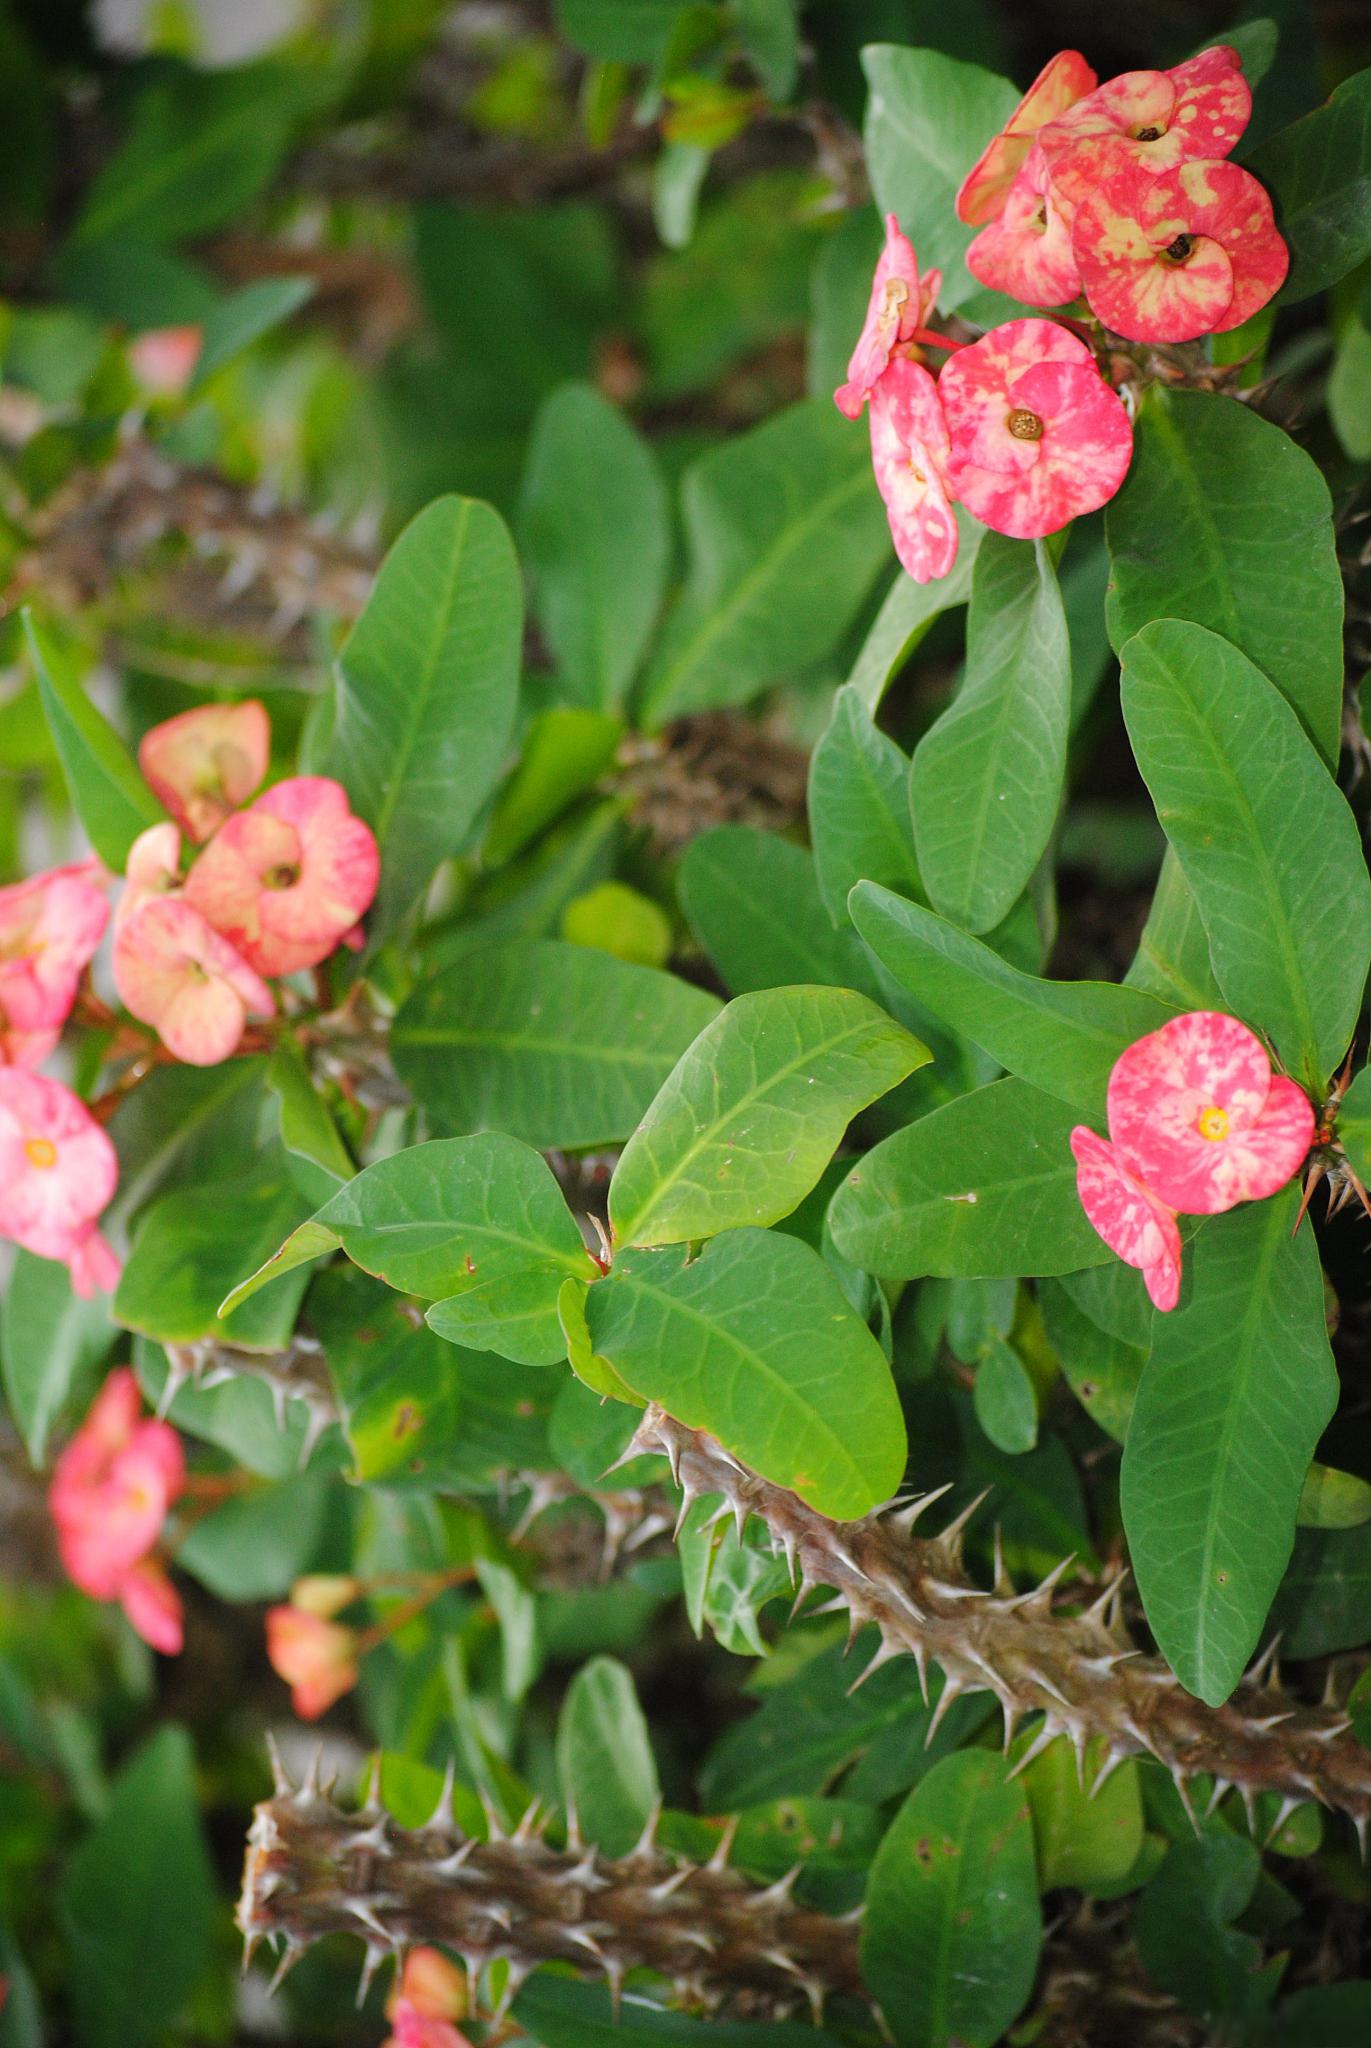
(40, 1152)
(1025, 425)
(1213, 1123)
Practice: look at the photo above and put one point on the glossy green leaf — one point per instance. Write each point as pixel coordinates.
(1089, 1840)
(560, 2013)
(594, 1373)
(320, 1159)
(1322, 2016)
(928, 117)
(547, 1041)
(1265, 838)
(987, 776)
(1185, 1930)
(476, 1225)
(1318, 172)
(1102, 1369)
(1330, 1499)
(1006, 1405)
(908, 611)
(1172, 960)
(564, 754)
(858, 806)
(192, 1246)
(426, 691)
(1353, 1125)
(50, 1343)
(952, 1928)
(785, 534)
(143, 1867)
(1062, 1036)
(1191, 537)
(753, 902)
(1235, 1396)
(202, 144)
(755, 1342)
(604, 1756)
(753, 1112)
(111, 798)
(595, 534)
(255, 1547)
(985, 1185)
(629, 31)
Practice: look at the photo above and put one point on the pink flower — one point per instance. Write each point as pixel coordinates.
(153, 871)
(203, 764)
(1037, 435)
(287, 878)
(909, 451)
(57, 1171)
(1149, 121)
(1197, 1112)
(986, 186)
(317, 1658)
(1128, 1215)
(429, 1996)
(899, 306)
(164, 359)
(1199, 1123)
(1027, 250)
(111, 1491)
(1191, 251)
(49, 928)
(174, 971)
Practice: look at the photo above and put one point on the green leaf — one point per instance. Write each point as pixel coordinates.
(1172, 960)
(604, 1756)
(1323, 2016)
(1006, 1405)
(909, 610)
(755, 1342)
(193, 1245)
(753, 1112)
(427, 685)
(201, 146)
(138, 1901)
(560, 2013)
(565, 752)
(476, 1225)
(111, 798)
(594, 1373)
(785, 533)
(952, 1928)
(1086, 1839)
(1330, 1499)
(255, 1547)
(928, 117)
(984, 1186)
(1265, 838)
(50, 1342)
(752, 900)
(628, 31)
(987, 777)
(1191, 537)
(1318, 172)
(550, 1042)
(1101, 1368)
(594, 531)
(769, 31)
(245, 316)
(1185, 1930)
(858, 806)
(1324, 1602)
(320, 1158)
(1062, 1036)
(1235, 1396)
(1353, 1125)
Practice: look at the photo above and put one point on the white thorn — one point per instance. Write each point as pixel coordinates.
(723, 1848)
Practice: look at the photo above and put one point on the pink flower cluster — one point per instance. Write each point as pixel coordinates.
(1123, 192)
(279, 885)
(1020, 426)
(111, 1491)
(1197, 1123)
(428, 2000)
(57, 1167)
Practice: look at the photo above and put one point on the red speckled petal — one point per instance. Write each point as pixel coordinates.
(984, 190)
(1027, 251)
(1213, 102)
(1128, 1216)
(909, 449)
(895, 309)
(1154, 120)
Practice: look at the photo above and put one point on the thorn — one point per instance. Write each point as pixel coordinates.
(667, 1885)
(886, 1652)
(1283, 1812)
(952, 1535)
(1264, 1671)
(777, 1894)
(371, 1802)
(278, 1403)
(1311, 1182)
(309, 1788)
(645, 1848)
(280, 1776)
(1359, 1822)
(575, 1841)
(293, 1951)
(1222, 1786)
(586, 1874)
(252, 1941)
(371, 1963)
(1040, 1678)
(495, 1826)
(518, 1975)
(723, 1848)
(1113, 1759)
(1044, 1739)
(614, 1977)
(1002, 1583)
(1040, 1596)
(443, 1819)
(904, 1518)
(531, 1823)
(361, 1910)
(1182, 1784)
(952, 1688)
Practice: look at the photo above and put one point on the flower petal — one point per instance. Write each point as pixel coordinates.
(1027, 252)
(909, 449)
(1064, 79)
(893, 312)
(1128, 1216)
